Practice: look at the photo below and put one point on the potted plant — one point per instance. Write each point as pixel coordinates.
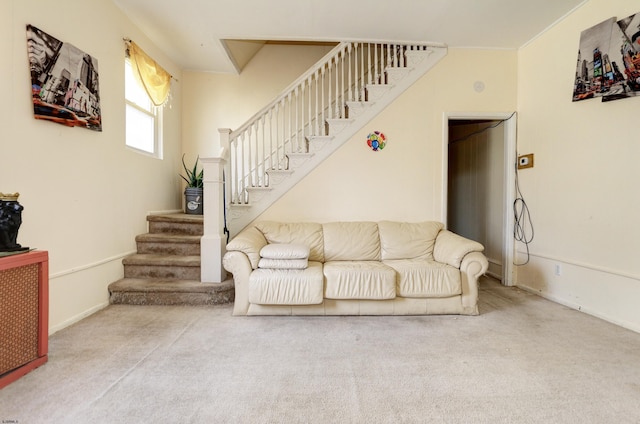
(193, 194)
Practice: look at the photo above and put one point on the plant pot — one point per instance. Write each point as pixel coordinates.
(193, 200)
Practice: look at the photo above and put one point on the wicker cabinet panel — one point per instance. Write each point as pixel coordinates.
(24, 314)
(19, 316)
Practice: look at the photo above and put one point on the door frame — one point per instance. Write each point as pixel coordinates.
(510, 146)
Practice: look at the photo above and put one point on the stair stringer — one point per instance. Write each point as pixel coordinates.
(239, 216)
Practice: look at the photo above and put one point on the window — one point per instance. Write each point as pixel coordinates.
(143, 119)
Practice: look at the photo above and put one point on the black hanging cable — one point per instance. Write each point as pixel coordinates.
(224, 205)
(482, 130)
(523, 226)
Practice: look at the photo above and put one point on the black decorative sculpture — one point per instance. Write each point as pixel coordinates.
(10, 221)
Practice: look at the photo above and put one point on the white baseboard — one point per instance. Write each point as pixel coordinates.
(563, 302)
(87, 284)
(603, 293)
(77, 318)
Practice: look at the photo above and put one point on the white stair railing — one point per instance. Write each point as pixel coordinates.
(302, 110)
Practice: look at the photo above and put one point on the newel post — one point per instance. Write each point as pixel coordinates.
(213, 242)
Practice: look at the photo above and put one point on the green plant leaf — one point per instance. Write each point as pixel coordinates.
(193, 178)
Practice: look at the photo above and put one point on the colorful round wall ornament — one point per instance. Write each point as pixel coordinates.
(376, 140)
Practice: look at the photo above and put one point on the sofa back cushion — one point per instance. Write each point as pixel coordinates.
(305, 233)
(351, 241)
(405, 240)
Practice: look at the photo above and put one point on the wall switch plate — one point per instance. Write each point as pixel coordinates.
(525, 161)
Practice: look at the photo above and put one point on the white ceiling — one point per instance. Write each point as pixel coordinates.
(190, 31)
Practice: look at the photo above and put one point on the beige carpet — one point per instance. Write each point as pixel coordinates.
(523, 360)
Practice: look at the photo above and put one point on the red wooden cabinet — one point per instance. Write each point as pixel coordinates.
(24, 314)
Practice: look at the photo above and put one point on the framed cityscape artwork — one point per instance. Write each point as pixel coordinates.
(609, 60)
(64, 82)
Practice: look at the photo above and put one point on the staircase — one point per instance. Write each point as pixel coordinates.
(166, 268)
(312, 118)
(262, 160)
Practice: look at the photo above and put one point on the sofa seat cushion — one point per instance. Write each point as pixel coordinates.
(287, 286)
(425, 278)
(370, 280)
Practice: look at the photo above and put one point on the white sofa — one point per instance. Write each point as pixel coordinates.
(354, 268)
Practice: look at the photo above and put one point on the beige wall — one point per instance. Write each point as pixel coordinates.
(582, 192)
(85, 195)
(405, 180)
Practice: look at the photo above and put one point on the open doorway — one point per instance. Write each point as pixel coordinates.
(480, 157)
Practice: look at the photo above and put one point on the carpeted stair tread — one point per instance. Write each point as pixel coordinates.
(168, 238)
(168, 285)
(153, 259)
(158, 291)
(176, 224)
(181, 218)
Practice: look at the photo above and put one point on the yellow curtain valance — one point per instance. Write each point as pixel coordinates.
(155, 80)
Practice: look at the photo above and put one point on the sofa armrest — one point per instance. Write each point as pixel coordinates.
(249, 241)
(237, 263)
(473, 266)
(451, 248)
